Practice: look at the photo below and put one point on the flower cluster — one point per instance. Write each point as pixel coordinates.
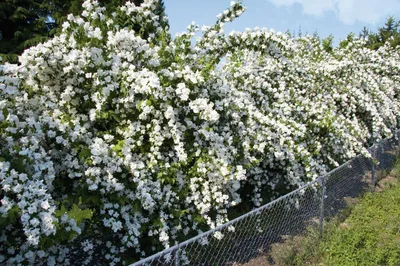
(116, 143)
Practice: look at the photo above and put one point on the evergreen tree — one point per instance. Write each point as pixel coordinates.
(365, 33)
(327, 43)
(390, 32)
(316, 34)
(345, 42)
(300, 33)
(23, 23)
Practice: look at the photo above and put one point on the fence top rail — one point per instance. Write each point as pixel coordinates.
(257, 210)
(220, 227)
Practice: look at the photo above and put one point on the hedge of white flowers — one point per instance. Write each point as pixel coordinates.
(115, 144)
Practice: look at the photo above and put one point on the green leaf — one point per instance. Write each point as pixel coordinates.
(79, 215)
(48, 241)
(93, 199)
(143, 103)
(137, 206)
(75, 213)
(199, 219)
(12, 216)
(104, 115)
(118, 147)
(84, 154)
(18, 164)
(4, 124)
(5, 112)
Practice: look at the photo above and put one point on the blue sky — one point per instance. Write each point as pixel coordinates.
(338, 17)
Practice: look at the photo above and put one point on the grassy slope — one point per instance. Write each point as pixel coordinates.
(366, 234)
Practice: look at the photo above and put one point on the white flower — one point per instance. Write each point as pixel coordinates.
(182, 91)
(97, 33)
(163, 236)
(218, 235)
(45, 205)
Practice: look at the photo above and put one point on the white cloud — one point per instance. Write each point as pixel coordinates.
(348, 11)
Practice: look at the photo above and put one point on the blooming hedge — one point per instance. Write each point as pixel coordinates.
(115, 144)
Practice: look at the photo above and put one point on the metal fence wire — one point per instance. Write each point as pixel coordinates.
(248, 239)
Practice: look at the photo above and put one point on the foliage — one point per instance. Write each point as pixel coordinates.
(389, 33)
(139, 141)
(22, 24)
(327, 44)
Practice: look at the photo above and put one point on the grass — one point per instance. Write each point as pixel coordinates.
(366, 233)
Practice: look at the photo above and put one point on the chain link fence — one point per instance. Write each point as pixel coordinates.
(248, 239)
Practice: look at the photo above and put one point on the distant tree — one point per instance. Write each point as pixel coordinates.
(161, 14)
(365, 32)
(316, 34)
(300, 33)
(327, 43)
(23, 23)
(390, 29)
(345, 42)
(390, 32)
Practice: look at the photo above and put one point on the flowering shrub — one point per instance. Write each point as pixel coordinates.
(116, 143)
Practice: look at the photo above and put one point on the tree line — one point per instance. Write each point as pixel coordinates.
(389, 32)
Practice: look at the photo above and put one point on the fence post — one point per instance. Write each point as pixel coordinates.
(398, 137)
(177, 256)
(373, 174)
(321, 214)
